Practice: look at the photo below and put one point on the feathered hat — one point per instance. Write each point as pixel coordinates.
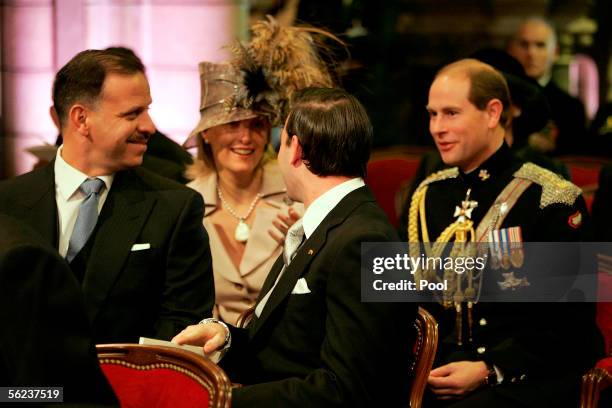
(262, 76)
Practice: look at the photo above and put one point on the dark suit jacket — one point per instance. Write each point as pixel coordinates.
(569, 115)
(154, 292)
(45, 338)
(602, 219)
(326, 348)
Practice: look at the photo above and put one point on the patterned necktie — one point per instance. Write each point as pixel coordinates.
(293, 240)
(87, 218)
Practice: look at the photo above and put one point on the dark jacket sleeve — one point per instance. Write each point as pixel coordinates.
(189, 292)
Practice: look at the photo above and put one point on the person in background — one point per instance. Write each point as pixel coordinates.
(247, 211)
(134, 240)
(534, 45)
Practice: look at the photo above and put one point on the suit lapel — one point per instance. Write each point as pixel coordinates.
(307, 252)
(39, 206)
(125, 211)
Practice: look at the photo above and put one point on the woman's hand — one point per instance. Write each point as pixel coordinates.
(283, 223)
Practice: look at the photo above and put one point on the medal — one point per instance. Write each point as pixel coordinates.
(495, 249)
(505, 259)
(517, 255)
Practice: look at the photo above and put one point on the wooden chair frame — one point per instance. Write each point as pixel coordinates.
(593, 383)
(424, 354)
(149, 357)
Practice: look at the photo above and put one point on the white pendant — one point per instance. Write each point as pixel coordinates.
(242, 232)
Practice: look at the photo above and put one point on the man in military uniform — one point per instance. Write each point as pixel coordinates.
(506, 354)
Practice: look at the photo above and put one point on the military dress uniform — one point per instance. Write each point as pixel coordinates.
(540, 349)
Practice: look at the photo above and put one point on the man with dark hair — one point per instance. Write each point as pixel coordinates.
(534, 45)
(312, 342)
(163, 156)
(337, 152)
(497, 354)
(134, 240)
(46, 337)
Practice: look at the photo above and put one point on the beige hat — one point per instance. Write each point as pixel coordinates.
(262, 76)
(220, 84)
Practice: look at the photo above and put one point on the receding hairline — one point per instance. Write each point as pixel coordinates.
(466, 68)
(539, 21)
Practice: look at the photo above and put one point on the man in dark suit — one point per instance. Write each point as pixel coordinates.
(312, 342)
(46, 337)
(535, 46)
(134, 240)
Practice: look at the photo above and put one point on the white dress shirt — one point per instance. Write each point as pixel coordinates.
(318, 210)
(69, 197)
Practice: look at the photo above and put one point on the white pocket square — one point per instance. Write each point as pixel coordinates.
(300, 288)
(140, 247)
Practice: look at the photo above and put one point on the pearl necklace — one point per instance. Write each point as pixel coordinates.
(242, 231)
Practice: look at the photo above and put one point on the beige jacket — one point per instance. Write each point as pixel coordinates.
(236, 289)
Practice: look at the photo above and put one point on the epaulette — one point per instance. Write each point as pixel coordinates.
(439, 176)
(555, 189)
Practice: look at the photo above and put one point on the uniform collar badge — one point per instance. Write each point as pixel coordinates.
(483, 174)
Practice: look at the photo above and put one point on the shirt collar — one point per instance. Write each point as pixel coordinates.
(544, 79)
(68, 179)
(318, 210)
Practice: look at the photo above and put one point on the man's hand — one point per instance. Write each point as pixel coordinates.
(210, 335)
(456, 380)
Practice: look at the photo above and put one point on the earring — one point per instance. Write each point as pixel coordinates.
(206, 141)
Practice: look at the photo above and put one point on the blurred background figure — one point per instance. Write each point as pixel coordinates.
(535, 46)
(247, 211)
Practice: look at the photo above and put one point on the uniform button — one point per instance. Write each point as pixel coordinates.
(523, 377)
(483, 322)
(238, 286)
(481, 350)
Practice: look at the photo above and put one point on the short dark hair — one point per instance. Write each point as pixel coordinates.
(82, 78)
(334, 131)
(486, 83)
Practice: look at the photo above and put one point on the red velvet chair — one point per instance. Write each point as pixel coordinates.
(159, 376)
(584, 172)
(390, 172)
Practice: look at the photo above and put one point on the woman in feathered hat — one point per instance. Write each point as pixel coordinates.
(247, 211)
